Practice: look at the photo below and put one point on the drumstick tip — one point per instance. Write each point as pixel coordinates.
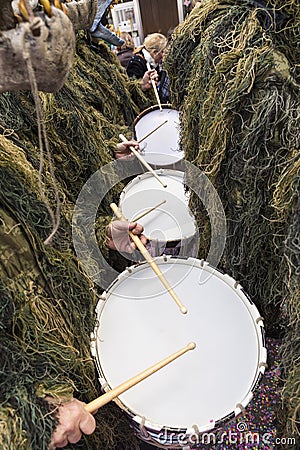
(183, 309)
(191, 346)
(165, 185)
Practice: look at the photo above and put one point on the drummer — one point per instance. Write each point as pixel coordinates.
(151, 52)
(73, 420)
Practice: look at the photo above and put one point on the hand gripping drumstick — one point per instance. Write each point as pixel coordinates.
(118, 390)
(149, 259)
(140, 158)
(155, 88)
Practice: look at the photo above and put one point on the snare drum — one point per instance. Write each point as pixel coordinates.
(139, 324)
(171, 228)
(161, 148)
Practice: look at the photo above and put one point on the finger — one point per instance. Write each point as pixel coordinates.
(62, 444)
(135, 226)
(88, 424)
(74, 437)
(132, 225)
(137, 230)
(59, 440)
(133, 144)
(125, 156)
(132, 247)
(143, 239)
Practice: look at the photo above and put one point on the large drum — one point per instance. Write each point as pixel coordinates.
(171, 228)
(139, 324)
(162, 147)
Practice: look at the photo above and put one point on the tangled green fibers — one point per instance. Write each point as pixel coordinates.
(234, 74)
(46, 301)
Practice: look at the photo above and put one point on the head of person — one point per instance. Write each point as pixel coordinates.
(155, 44)
(128, 41)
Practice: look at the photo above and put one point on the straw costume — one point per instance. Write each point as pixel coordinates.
(234, 69)
(46, 300)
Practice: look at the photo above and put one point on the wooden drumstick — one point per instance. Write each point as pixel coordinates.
(142, 160)
(118, 390)
(118, 213)
(152, 131)
(148, 211)
(155, 88)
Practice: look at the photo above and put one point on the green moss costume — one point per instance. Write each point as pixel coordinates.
(46, 301)
(234, 74)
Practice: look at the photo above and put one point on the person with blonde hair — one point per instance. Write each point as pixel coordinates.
(150, 52)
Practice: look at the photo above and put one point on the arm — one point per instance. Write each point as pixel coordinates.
(37, 349)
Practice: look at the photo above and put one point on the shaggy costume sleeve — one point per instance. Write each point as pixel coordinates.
(47, 310)
(27, 341)
(47, 301)
(239, 98)
(47, 316)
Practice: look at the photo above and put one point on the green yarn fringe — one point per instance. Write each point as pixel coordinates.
(234, 75)
(46, 301)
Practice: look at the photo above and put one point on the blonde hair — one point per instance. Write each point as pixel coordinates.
(154, 41)
(128, 40)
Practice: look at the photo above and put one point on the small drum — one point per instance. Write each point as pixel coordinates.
(162, 147)
(171, 228)
(139, 324)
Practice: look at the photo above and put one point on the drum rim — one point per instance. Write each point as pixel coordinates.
(174, 172)
(257, 323)
(153, 108)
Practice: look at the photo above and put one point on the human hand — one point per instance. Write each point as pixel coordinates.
(118, 238)
(147, 79)
(123, 149)
(73, 421)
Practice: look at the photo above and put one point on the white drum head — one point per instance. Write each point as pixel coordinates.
(172, 221)
(140, 324)
(162, 147)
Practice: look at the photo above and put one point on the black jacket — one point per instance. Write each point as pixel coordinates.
(136, 68)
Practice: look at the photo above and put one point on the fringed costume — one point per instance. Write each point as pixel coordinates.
(46, 301)
(234, 73)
